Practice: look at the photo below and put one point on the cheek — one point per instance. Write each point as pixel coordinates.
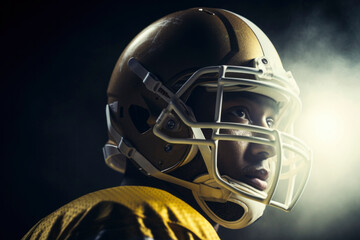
(231, 154)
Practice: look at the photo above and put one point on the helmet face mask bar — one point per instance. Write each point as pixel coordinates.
(292, 161)
(280, 141)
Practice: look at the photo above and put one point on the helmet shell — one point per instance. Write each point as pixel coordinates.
(172, 48)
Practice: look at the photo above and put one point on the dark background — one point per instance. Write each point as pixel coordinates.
(56, 60)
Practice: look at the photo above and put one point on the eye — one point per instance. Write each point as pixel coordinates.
(270, 122)
(241, 113)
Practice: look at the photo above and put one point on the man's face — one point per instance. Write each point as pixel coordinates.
(240, 160)
(243, 161)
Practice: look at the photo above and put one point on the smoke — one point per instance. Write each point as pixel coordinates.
(323, 55)
(325, 62)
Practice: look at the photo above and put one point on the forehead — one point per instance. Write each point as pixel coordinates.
(251, 99)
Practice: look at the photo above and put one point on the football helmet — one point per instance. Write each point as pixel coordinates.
(150, 122)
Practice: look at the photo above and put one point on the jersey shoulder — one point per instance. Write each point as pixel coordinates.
(132, 212)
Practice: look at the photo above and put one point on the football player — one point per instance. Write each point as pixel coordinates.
(200, 118)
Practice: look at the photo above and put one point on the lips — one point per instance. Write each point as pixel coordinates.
(256, 177)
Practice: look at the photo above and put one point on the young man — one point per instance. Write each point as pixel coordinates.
(200, 114)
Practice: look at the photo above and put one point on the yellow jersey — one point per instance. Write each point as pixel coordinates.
(126, 212)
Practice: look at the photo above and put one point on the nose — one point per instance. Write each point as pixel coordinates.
(260, 152)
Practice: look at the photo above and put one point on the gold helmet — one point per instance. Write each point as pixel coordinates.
(151, 123)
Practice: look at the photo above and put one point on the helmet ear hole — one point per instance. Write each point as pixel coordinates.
(139, 117)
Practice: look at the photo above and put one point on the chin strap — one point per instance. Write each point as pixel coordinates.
(145, 166)
(253, 210)
(113, 158)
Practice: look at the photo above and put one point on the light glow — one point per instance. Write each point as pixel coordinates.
(325, 122)
(329, 125)
(326, 125)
